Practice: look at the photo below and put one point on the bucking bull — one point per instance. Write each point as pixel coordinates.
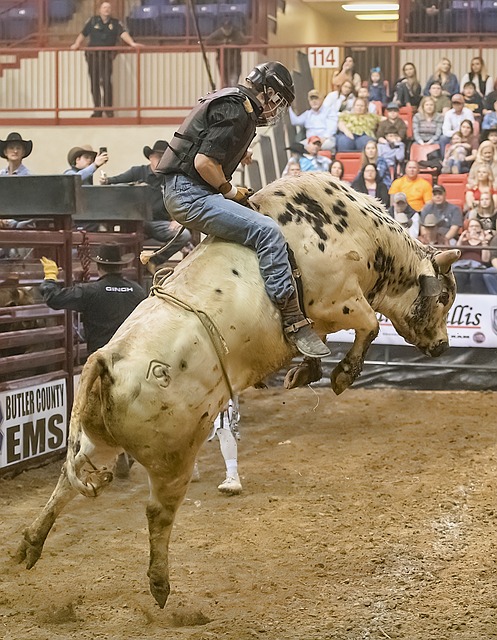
(156, 387)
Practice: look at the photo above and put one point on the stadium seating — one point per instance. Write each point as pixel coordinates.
(60, 10)
(489, 16)
(462, 16)
(142, 21)
(351, 161)
(20, 23)
(237, 12)
(455, 185)
(419, 152)
(172, 21)
(206, 18)
(405, 113)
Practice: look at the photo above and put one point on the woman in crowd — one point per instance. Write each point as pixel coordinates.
(368, 181)
(479, 76)
(341, 100)
(468, 136)
(370, 155)
(483, 181)
(408, 90)
(357, 128)
(337, 170)
(485, 212)
(444, 75)
(485, 155)
(427, 123)
(456, 155)
(346, 72)
(473, 243)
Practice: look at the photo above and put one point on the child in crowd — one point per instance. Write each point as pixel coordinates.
(393, 151)
(456, 155)
(377, 92)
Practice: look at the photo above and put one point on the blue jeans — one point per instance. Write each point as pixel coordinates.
(161, 230)
(490, 279)
(344, 143)
(196, 207)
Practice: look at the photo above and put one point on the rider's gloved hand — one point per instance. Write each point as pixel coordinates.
(238, 194)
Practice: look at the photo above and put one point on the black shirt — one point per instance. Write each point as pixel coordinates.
(144, 174)
(105, 304)
(102, 34)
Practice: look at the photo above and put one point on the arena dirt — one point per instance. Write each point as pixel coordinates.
(368, 516)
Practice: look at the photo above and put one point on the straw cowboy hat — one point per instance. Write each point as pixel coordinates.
(76, 152)
(110, 253)
(16, 137)
(159, 147)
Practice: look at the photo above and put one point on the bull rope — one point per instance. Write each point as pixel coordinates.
(216, 337)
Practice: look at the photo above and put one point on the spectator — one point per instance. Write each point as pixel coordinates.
(492, 137)
(318, 121)
(342, 99)
(453, 118)
(479, 76)
(485, 212)
(456, 155)
(473, 243)
(447, 215)
(337, 170)
(102, 31)
(483, 181)
(297, 152)
(368, 181)
(376, 87)
(293, 168)
(430, 232)
(467, 131)
(14, 149)
(472, 100)
(357, 128)
(346, 72)
(486, 155)
(393, 151)
(404, 214)
(490, 119)
(393, 120)
(161, 228)
(442, 101)
(417, 190)
(427, 123)
(490, 274)
(370, 154)
(407, 92)
(229, 61)
(312, 160)
(83, 161)
(105, 303)
(444, 75)
(364, 94)
(490, 98)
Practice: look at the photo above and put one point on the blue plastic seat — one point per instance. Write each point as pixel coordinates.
(238, 13)
(172, 21)
(60, 10)
(20, 23)
(489, 16)
(206, 18)
(142, 21)
(463, 16)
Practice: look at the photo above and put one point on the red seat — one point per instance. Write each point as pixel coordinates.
(427, 176)
(351, 161)
(455, 185)
(420, 151)
(406, 114)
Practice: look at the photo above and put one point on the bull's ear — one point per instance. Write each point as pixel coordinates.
(445, 258)
(430, 286)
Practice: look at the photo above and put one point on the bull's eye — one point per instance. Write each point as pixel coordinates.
(443, 298)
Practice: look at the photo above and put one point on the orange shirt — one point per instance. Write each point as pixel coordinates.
(418, 192)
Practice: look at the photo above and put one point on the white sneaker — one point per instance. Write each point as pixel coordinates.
(195, 474)
(231, 486)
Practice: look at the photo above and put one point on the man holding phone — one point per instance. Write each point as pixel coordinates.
(83, 161)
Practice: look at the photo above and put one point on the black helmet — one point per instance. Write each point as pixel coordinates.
(276, 76)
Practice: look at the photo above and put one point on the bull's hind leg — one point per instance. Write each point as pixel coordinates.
(366, 329)
(35, 535)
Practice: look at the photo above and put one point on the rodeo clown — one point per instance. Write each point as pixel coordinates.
(198, 166)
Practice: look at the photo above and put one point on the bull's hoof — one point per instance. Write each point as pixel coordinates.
(341, 379)
(28, 552)
(160, 590)
(307, 371)
(97, 480)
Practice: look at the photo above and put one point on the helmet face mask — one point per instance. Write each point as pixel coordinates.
(274, 81)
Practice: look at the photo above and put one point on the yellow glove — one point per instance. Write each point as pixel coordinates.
(50, 268)
(238, 194)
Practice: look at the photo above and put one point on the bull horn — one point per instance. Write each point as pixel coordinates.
(445, 258)
(430, 286)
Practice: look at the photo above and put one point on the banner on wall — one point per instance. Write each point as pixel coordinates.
(32, 422)
(472, 322)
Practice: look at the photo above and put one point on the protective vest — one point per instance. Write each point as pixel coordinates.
(180, 155)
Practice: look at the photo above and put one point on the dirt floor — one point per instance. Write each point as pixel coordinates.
(368, 516)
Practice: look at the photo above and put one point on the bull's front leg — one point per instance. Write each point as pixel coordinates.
(366, 329)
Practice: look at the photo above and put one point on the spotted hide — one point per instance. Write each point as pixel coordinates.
(156, 387)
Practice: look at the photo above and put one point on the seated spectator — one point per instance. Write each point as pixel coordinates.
(370, 154)
(317, 121)
(453, 119)
(161, 228)
(472, 100)
(376, 87)
(427, 123)
(368, 181)
(297, 152)
(393, 120)
(442, 101)
(430, 232)
(447, 215)
(311, 160)
(357, 128)
(467, 131)
(337, 170)
(83, 162)
(404, 214)
(293, 168)
(485, 212)
(444, 75)
(484, 181)
(364, 94)
(14, 149)
(486, 154)
(346, 72)
(341, 100)
(407, 92)
(490, 98)
(490, 118)
(456, 155)
(492, 137)
(417, 190)
(490, 274)
(473, 243)
(393, 151)
(479, 76)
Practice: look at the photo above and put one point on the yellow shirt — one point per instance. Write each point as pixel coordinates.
(418, 192)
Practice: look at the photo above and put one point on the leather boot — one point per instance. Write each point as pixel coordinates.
(298, 330)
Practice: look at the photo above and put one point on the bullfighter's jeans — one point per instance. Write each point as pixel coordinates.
(196, 207)
(161, 231)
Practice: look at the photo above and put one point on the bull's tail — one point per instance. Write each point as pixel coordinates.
(96, 479)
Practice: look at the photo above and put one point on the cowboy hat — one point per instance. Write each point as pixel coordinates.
(159, 147)
(16, 137)
(76, 152)
(110, 253)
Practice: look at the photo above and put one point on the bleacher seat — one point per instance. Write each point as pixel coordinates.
(142, 21)
(455, 185)
(20, 23)
(172, 21)
(406, 114)
(351, 161)
(60, 10)
(206, 18)
(489, 16)
(462, 16)
(237, 12)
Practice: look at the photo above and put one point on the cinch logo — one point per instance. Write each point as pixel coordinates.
(119, 289)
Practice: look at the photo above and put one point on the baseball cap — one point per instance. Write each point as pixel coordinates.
(457, 97)
(313, 139)
(430, 221)
(399, 197)
(438, 188)
(392, 106)
(313, 93)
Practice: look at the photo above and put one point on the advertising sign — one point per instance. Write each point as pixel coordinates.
(472, 322)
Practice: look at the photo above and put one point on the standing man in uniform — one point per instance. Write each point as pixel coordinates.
(102, 31)
(198, 166)
(105, 303)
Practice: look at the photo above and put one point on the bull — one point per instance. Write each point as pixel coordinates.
(210, 330)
